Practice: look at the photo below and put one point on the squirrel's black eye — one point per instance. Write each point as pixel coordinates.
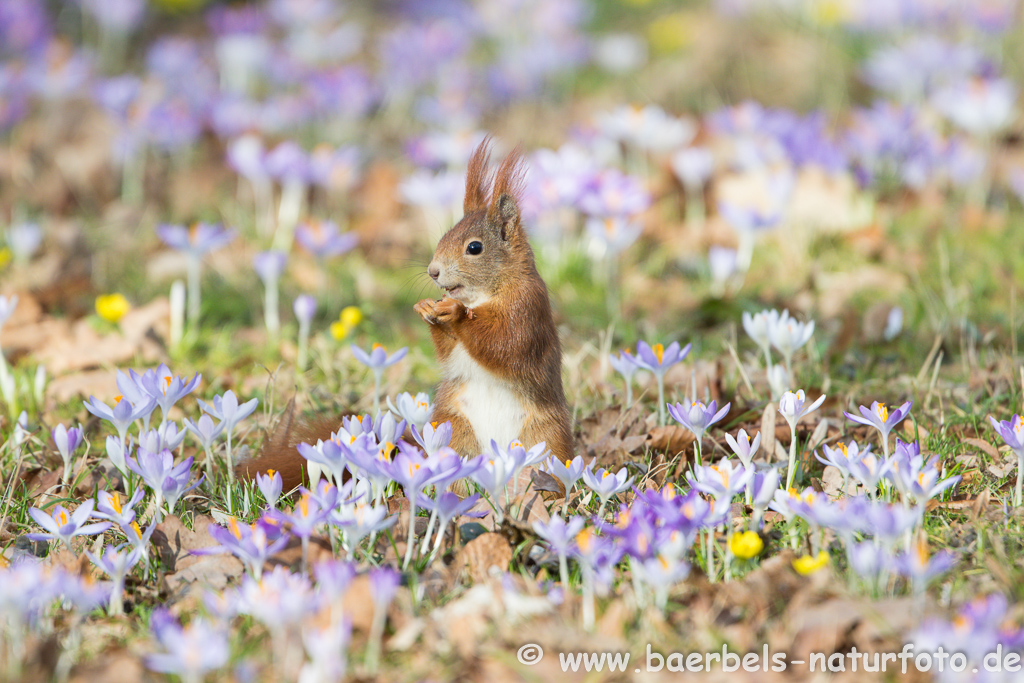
(474, 248)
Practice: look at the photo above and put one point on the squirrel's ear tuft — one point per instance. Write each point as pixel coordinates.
(508, 192)
(477, 180)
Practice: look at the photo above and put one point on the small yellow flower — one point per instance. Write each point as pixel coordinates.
(670, 33)
(746, 545)
(808, 564)
(112, 307)
(348, 319)
(5, 256)
(351, 316)
(829, 12)
(339, 330)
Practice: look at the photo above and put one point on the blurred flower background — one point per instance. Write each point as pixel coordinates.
(250, 193)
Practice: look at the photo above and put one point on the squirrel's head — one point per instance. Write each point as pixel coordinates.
(488, 248)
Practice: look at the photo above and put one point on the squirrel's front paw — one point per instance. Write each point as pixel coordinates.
(427, 310)
(450, 311)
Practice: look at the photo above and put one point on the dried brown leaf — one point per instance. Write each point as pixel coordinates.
(483, 554)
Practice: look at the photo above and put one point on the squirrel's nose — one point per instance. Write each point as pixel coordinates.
(434, 271)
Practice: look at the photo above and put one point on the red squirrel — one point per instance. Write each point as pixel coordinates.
(493, 331)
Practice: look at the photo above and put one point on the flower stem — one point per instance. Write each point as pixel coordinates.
(661, 399)
(194, 270)
(1020, 482)
(411, 541)
(791, 473)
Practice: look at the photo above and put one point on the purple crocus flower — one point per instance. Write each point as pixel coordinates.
(880, 418)
(165, 387)
(793, 406)
(568, 472)
(205, 432)
(597, 555)
(747, 220)
(227, 409)
(605, 484)
(763, 486)
(434, 436)
(252, 544)
(415, 410)
(625, 364)
(168, 481)
(168, 436)
(869, 560)
(788, 335)
(358, 520)
(303, 520)
(67, 441)
(109, 506)
(175, 484)
(660, 573)
(270, 485)
(697, 417)
(981, 628)
(743, 446)
(612, 193)
(723, 480)
(658, 359)
(493, 474)
(60, 525)
(122, 415)
(446, 507)
(412, 472)
(842, 457)
(288, 163)
(612, 235)
(378, 360)
(869, 470)
(334, 169)
(191, 651)
(332, 456)
(560, 536)
(913, 70)
(1011, 431)
(281, 600)
(921, 568)
(384, 583)
(333, 577)
(115, 562)
(196, 240)
(269, 265)
(981, 106)
(759, 326)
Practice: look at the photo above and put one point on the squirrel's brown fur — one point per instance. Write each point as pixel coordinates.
(493, 332)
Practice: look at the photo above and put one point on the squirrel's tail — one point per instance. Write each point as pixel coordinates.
(280, 450)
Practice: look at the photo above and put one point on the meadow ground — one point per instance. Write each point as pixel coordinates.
(208, 212)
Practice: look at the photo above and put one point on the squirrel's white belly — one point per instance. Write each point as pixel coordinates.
(488, 403)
